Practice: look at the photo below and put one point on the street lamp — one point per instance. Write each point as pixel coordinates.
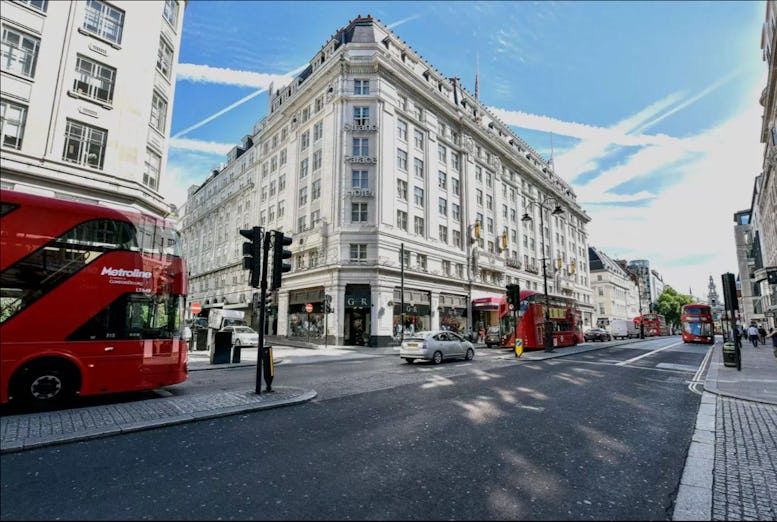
(526, 217)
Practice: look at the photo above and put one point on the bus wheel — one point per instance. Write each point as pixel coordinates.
(46, 384)
(437, 357)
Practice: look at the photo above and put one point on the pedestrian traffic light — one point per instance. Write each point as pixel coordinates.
(513, 295)
(279, 267)
(252, 254)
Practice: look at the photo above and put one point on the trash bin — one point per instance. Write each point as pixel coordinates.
(222, 346)
(730, 355)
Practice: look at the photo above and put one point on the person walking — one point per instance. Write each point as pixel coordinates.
(752, 333)
(761, 334)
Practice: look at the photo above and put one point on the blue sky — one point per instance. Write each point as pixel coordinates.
(651, 107)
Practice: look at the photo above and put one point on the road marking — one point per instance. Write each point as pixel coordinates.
(697, 385)
(673, 366)
(624, 363)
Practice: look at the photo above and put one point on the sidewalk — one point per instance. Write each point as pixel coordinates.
(730, 471)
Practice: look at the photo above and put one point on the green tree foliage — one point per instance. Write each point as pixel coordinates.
(669, 305)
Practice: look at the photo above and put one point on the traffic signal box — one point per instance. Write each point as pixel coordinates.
(513, 295)
(279, 266)
(252, 254)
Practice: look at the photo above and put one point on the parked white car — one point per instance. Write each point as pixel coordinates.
(242, 335)
(436, 347)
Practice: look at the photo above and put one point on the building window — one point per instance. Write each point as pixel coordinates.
(418, 196)
(402, 220)
(443, 206)
(316, 160)
(40, 5)
(444, 234)
(158, 112)
(455, 186)
(301, 224)
(418, 223)
(164, 60)
(446, 267)
(455, 211)
(358, 252)
(303, 196)
(315, 218)
(457, 238)
(418, 166)
(419, 139)
(359, 180)
(442, 154)
(402, 130)
(358, 212)
(455, 161)
(281, 183)
(104, 21)
(171, 11)
(421, 261)
(401, 160)
(305, 140)
(84, 144)
(12, 120)
(19, 52)
(489, 202)
(94, 80)
(402, 189)
(479, 197)
(153, 166)
(361, 87)
(361, 147)
(318, 131)
(442, 180)
(315, 190)
(361, 115)
(303, 168)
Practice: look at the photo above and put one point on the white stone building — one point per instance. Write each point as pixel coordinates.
(614, 291)
(87, 89)
(370, 152)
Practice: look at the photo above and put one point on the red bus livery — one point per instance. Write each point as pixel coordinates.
(531, 323)
(91, 300)
(697, 323)
(653, 324)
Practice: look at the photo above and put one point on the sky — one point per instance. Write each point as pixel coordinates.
(650, 110)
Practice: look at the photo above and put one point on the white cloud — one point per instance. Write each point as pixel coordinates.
(207, 74)
(202, 146)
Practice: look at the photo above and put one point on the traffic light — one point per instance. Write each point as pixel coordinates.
(252, 254)
(327, 304)
(279, 267)
(514, 295)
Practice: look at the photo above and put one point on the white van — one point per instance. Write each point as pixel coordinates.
(623, 329)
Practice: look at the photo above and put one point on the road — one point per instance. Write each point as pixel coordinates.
(600, 435)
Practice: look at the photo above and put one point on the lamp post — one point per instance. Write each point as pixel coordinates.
(526, 217)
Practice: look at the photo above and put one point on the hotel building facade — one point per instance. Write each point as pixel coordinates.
(396, 184)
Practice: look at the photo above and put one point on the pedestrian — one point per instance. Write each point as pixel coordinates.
(752, 333)
(773, 336)
(762, 334)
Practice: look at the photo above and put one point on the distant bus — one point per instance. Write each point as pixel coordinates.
(531, 326)
(697, 323)
(91, 300)
(653, 324)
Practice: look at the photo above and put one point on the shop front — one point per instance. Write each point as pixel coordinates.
(301, 322)
(453, 312)
(485, 313)
(417, 313)
(357, 307)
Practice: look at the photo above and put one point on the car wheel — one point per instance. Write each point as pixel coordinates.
(46, 384)
(469, 355)
(437, 357)
(409, 360)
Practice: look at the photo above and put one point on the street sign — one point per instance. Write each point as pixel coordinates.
(196, 308)
(308, 308)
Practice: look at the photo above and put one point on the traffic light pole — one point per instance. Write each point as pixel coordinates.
(262, 314)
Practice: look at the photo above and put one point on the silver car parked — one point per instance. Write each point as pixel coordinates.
(436, 346)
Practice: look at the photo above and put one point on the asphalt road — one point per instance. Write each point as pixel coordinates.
(600, 435)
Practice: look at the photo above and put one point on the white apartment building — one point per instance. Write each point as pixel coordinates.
(370, 153)
(87, 89)
(614, 291)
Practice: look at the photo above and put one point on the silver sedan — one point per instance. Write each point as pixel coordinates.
(436, 347)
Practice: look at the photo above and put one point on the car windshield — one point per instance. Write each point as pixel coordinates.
(243, 329)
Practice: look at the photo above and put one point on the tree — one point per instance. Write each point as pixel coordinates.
(669, 305)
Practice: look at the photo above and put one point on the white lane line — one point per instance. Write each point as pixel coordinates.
(629, 361)
(697, 384)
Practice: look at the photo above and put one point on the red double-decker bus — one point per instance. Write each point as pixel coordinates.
(697, 323)
(531, 326)
(654, 324)
(91, 300)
